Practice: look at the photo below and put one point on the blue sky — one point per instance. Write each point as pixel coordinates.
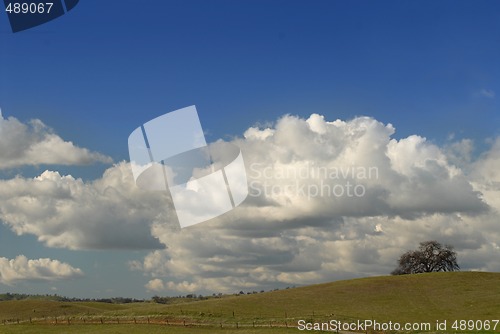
(430, 68)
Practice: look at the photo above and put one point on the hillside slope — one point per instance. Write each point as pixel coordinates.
(422, 297)
(409, 298)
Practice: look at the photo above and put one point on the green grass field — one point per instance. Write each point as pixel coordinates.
(135, 329)
(409, 298)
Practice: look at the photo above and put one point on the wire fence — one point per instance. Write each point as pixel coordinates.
(163, 320)
(146, 320)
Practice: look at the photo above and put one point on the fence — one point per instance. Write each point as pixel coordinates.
(144, 320)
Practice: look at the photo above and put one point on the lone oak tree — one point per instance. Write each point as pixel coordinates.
(431, 256)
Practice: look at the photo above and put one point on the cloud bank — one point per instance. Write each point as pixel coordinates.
(22, 269)
(303, 221)
(287, 233)
(33, 143)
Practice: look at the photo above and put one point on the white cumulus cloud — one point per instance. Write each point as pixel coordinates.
(34, 143)
(155, 285)
(45, 269)
(63, 211)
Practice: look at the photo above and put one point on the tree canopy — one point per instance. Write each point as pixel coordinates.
(431, 256)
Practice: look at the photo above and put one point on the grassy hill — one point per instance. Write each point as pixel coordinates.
(408, 298)
(422, 297)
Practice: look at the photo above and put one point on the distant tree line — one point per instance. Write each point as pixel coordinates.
(124, 300)
(55, 297)
(21, 296)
